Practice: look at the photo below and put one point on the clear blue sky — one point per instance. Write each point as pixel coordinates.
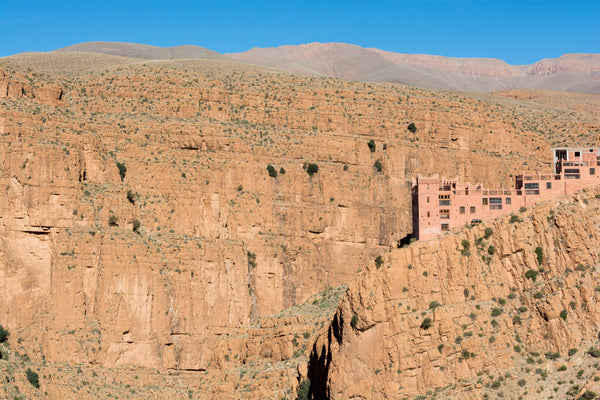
(519, 32)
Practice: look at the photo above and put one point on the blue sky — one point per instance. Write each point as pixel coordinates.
(519, 32)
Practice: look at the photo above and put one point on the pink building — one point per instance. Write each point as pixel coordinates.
(440, 205)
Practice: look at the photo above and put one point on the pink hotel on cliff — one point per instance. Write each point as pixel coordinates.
(439, 205)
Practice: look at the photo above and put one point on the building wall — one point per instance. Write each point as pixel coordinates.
(444, 204)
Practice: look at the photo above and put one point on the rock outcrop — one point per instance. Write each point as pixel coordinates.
(444, 311)
(140, 227)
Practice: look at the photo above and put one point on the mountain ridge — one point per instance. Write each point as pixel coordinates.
(574, 72)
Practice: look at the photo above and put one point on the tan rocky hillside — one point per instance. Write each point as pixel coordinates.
(140, 227)
(571, 72)
(507, 309)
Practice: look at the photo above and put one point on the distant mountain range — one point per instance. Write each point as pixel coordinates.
(570, 72)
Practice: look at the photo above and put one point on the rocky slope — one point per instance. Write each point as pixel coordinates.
(141, 228)
(515, 299)
(571, 72)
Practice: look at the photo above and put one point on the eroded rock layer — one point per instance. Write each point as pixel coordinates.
(479, 301)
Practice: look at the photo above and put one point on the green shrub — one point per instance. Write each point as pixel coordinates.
(303, 390)
(496, 311)
(594, 352)
(378, 166)
(4, 334)
(587, 395)
(466, 245)
(378, 262)
(312, 169)
(514, 218)
(563, 315)
(122, 170)
(491, 250)
(113, 220)
(531, 274)
(522, 209)
(539, 252)
(572, 352)
(538, 295)
(426, 324)
(412, 127)
(372, 146)
(131, 196)
(33, 378)
(488, 232)
(552, 355)
(354, 321)
(434, 304)
(521, 382)
(562, 368)
(136, 226)
(272, 171)
(282, 171)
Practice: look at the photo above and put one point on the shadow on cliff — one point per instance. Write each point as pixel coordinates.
(320, 360)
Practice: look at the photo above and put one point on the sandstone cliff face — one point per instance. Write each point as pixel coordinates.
(219, 246)
(378, 345)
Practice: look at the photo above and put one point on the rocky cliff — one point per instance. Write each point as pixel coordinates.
(488, 300)
(140, 228)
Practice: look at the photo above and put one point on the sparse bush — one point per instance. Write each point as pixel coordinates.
(488, 232)
(282, 171)
(122, 170)
(563, 315)
(303, 390)
(514, 218)
(531, 274)
(522, 209)
(539, 252)
(33, 378)
(113, 220)
(131, 196)
(538, 295)
(594, 352)
(496, 311)
(587, 395)
(272, 171)
(552, 355)
(354, 321)
(312, 169)
(412, 127)
(4, 334)
(372, 146)
(562, 368)
(572, 352)
(466, 246)
(434, 304)
(491, 250)
(522, 382)
(426, 324)
(136, 226)
(378, 166)
(378, 262)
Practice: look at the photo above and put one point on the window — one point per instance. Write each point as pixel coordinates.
(577, 154)
(571, 170)
(484, 201)
(472, 210)
(495, 200)
(592, 171)
(428, 214)
(428, 199)
(508, 200)
(532, 188)
(462, 210)
(445, 214)
(445, 227)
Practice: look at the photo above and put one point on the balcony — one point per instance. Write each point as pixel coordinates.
(444, 202)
